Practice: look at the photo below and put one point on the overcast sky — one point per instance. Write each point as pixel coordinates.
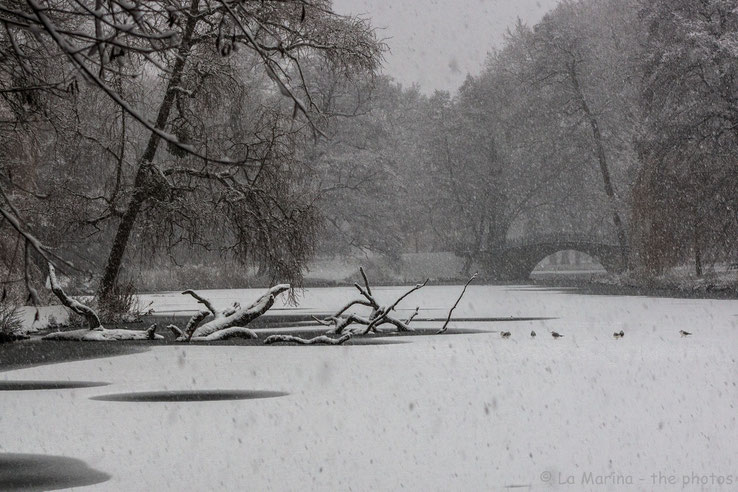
(437, 42)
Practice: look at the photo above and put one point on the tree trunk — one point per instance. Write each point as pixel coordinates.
(142, 185)
(697, 248)
(601, 158)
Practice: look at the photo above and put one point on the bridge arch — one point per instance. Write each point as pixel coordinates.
(518, 259)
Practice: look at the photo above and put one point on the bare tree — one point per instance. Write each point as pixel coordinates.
(107, 43)
(686, 202)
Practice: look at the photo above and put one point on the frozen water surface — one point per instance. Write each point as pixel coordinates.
(472, 412)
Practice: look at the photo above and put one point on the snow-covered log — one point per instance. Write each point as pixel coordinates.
(322, 339)
(379, 315)
(228, 323)
(96, 332)
(101, 334)
(226, 334)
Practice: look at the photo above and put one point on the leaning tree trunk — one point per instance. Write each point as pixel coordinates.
(144, 184)
(601, 159)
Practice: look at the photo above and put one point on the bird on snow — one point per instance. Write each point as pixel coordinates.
(620, 334)
(533, 334)
(556, 334)
(505, 334)
(684, 333)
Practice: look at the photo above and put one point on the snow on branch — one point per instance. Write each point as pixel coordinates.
(341, 322)
(101, 334)
(96, 332)
(322, 339)
(93, 320)
(228, 323)
(378, 316)
(93, 39)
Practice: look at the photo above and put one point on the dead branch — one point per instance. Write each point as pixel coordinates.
(201, 300)
(445, 325)
(228, 323)
(378, 316)
(322, 339)
(96, 332)
(366, 281)
(412, 316)
(382, 316)
(227, 334)
(88, 313)
(101, 334)
(194, 322)
(177, 332)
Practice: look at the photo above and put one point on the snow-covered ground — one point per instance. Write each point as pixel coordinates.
(452, 412)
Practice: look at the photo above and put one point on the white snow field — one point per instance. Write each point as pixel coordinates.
(653, 411)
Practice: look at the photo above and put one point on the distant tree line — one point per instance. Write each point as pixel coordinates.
(608, 117)
(140, 133)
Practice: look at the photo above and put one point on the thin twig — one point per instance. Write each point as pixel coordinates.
(445, 325)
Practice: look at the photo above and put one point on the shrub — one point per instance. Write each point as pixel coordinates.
(11, 327)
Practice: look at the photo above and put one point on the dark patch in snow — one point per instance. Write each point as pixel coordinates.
(39, 352)
(189, 395)
(19, 385)
(44, 472)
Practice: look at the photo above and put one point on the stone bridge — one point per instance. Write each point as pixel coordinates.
(517, 259)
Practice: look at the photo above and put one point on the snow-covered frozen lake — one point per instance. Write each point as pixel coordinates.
(653, 411)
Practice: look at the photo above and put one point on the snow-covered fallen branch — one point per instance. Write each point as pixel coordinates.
(96, 332)
(93, 320)
(228, 323)
(101, 334)
(341, 322)
(225, 334)
(379, 315)
(322, 339)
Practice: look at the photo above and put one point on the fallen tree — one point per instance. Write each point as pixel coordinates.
(379, 315)
(95, 332)
(228, 323)
(322, 340)
(341, 322)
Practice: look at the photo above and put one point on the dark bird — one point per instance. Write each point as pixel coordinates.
(505, 334)
(684, 333)
(533, 334)
(620, 334)
(556, 334)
